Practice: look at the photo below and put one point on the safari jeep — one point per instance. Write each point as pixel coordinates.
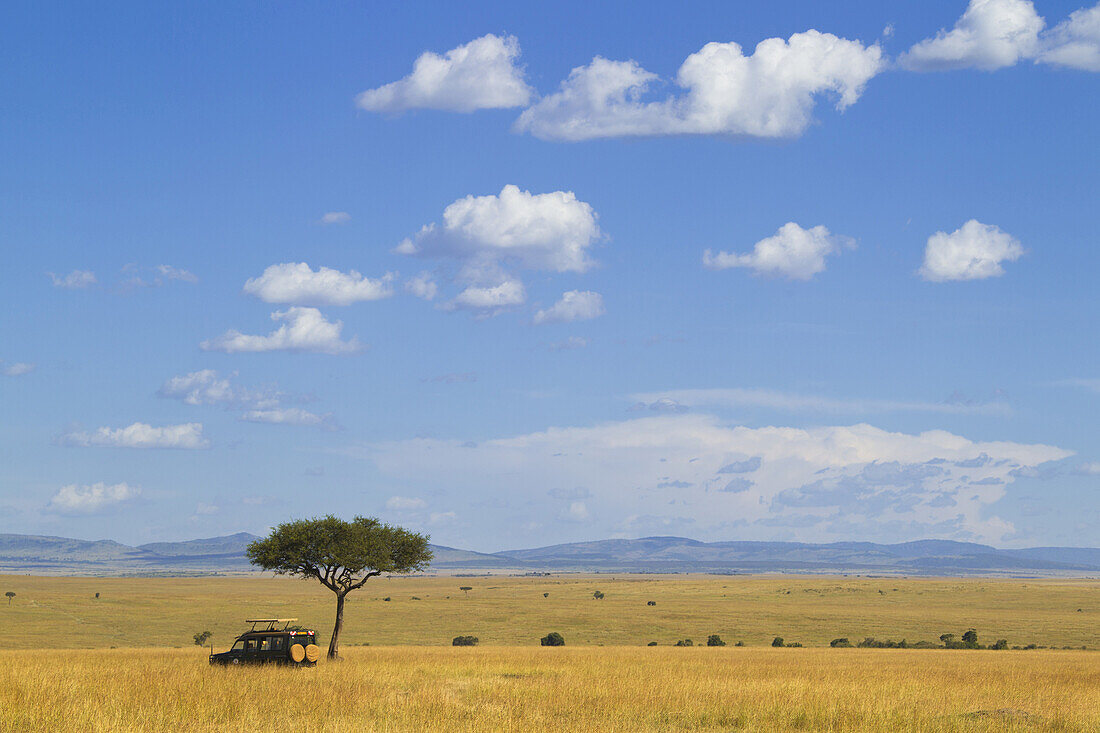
(267, 643)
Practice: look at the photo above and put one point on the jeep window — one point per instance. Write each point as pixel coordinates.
(251, 644)
(239, 646)
(278, 643)
(265, 644)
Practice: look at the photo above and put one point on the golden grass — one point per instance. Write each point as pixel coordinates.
(562, 689)
(55, 612)
(408, 681)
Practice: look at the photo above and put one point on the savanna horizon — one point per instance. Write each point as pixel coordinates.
(424, 610)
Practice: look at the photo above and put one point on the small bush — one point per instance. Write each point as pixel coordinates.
(684, 642)
(386, 599)
(872, 643)
(598, 595)
(1000, 644)
(201, 639)
(841, 642)
(740, 643)
(794, 644)
(652, 643)
(464, 641)
(715, 640)
(545, 595)
(651, 603)
(553, 639)
(777, 641)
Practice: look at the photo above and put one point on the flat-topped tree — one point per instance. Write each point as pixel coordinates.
(342, 555)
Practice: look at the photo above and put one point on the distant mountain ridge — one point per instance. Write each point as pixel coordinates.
(62, 555)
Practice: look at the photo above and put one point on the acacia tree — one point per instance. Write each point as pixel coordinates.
(343, 556)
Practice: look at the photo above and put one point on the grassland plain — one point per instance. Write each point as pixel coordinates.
(60, 612)
(57, 671)
(556, 689)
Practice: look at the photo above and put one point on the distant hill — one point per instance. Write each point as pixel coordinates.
(60, 555)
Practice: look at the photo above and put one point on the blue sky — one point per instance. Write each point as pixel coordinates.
(891, 336)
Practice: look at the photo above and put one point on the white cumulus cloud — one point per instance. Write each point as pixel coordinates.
(140, 435)
(74, 280)
(206, 387)
(335, 217)
(1075, 42)
(488, 237)
(991, 34)
(792, 252)
(17, 369)
(166, 273)
(768, 94)
(546, 231)
(405, 503)
(492, 298)
(303, 330)
(290, 416)
(482, 74)
(422, 286)
(974, 251)
(575, 305)
(295, 283)
(74, 499)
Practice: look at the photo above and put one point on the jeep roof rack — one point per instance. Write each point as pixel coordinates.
(271, 623)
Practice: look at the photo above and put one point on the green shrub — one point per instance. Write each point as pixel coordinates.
(201, 639)
(777, 641)
(684, 642)
(553, 639)
(598, 595)
(871, 643)
(652, 643)
(464, 641)
(841, 642)
(1000, 644)
(715, 640)
(651, 603)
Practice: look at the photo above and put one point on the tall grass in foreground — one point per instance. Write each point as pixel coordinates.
(568, 689)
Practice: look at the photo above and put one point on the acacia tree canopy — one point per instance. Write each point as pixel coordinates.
(342, 555)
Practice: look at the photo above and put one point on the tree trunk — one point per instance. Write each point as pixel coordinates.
(334, 643)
